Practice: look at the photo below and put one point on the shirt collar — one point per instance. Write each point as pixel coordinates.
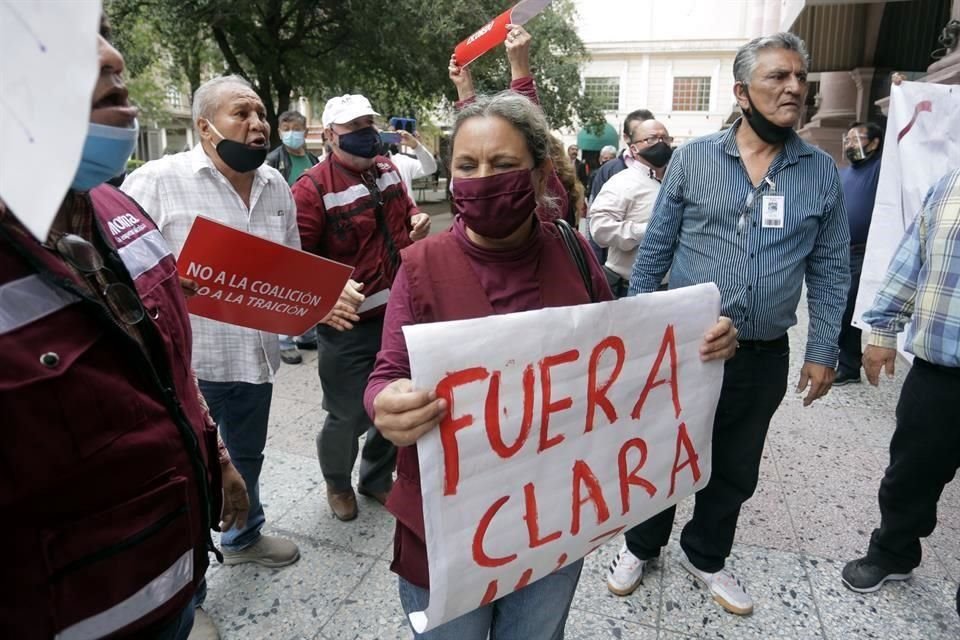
(793, 148)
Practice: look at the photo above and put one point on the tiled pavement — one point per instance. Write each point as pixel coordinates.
(814, 509)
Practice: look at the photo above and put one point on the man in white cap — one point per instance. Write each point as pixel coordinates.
(353, 208)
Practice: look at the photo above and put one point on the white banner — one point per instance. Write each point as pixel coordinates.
(565, 426)
(921, 145)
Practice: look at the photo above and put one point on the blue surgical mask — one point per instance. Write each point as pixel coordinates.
(105, 154)
(293, 139)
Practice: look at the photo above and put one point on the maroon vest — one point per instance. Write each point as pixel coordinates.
(108, 475)
(443, 286)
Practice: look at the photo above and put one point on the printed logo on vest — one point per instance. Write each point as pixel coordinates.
(125, 226)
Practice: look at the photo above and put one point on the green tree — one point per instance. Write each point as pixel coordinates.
(394, 53)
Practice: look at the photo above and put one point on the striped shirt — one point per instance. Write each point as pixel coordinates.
(706, 227)
(174, 190)
(923, 282)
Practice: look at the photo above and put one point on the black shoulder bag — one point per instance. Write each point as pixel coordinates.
(575, 249)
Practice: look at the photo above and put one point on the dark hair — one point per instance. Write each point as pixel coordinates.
(874, 131)
(639, 115)
(292, 117)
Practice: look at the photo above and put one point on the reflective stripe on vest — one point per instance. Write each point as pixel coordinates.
(357, 191)
(144, 253)
(29, 299)
(152, 596)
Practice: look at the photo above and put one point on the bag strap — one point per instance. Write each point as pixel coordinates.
(575, 249)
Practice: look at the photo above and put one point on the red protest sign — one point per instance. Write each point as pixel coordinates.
(252, 282)
(494, 32)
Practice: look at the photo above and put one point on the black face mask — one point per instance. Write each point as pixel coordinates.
(363, 143)
(855, 157)
(769, 132)
(238, 156)
(658, 155)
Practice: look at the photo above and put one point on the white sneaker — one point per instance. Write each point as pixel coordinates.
(726, 588)
(626, 573)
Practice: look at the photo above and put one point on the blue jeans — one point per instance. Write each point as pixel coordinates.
(178, 628)
(536, 612)
(241, 410)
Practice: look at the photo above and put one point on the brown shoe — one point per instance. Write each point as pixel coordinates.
(342, 503)
(379, 496)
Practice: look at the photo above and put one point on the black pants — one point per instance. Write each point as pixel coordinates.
(754, 382)
(849, 342)
(924, 457)
(346, 361)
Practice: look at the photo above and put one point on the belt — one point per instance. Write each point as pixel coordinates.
(952, 371)
(776, 343)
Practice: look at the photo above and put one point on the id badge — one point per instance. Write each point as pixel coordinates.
(771, 211)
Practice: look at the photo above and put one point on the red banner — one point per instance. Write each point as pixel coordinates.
(495, 31)
(252, 282)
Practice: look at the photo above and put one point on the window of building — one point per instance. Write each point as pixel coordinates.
(691, 94)
(173, 97)
(606, 91)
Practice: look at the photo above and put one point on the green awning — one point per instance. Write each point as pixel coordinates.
(590, 141)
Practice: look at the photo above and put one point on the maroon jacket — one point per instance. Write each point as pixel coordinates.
(439, 281)
(339, 219)
(109, 478)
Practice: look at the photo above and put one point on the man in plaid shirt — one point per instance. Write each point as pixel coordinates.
(922, 287)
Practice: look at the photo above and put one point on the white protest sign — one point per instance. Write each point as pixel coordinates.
(565, 427)
(921, 145)
(48, 69)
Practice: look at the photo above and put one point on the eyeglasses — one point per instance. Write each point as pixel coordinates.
(855, 139)
(654, 140)
(122, 301)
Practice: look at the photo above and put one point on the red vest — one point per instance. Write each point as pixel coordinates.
(443, 286)
(108, 476)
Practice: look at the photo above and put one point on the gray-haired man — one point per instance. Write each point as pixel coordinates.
(224, 178)
(756, 210)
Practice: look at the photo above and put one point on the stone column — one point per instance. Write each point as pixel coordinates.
(863, 80)
(839, 106)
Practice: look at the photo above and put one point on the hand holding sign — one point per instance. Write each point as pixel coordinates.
(497, 30)
(251, 282)
(344, 313)
(518, 51)
(550, 446)
(461, 79)
(404, 414)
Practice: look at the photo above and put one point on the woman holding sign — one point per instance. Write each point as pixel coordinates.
(497, 258)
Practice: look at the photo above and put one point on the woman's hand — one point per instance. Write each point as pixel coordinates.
(720, 342)
(403, 414)
(518, 51)
(461, 79)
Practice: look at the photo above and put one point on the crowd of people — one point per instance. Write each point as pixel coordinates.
(135, 428)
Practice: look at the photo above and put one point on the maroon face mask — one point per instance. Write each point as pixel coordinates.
(495, 206)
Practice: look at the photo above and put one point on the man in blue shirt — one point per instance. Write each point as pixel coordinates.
(861, 145)
(922, 286)
(756, 210)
